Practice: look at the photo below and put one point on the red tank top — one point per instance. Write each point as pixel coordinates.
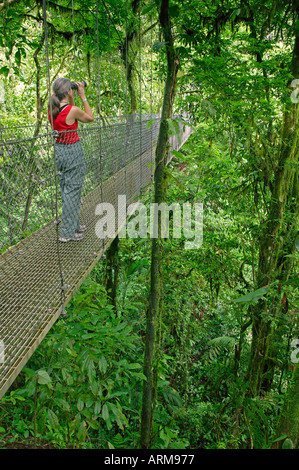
(60, 125)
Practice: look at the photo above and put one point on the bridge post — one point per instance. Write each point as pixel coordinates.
(111, 271)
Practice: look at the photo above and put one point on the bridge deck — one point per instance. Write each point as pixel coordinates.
(31, 290)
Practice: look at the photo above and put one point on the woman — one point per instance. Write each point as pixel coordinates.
(70, 160)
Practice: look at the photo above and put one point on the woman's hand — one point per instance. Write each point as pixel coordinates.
(81, 90)
(77, 114)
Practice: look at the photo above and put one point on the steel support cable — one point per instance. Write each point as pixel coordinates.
(126, 128)
(74, 45)
(140, 99)
(110, 66)
(121, 41)
(99, 110)
(54, 135)
(127, 132)
(151, 91)
(110, 58)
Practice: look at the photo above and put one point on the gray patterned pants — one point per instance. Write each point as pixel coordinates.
(70, 164)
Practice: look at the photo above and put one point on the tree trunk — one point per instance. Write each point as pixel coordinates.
(271, 265)
(111, 275)
(288, 422)
(128, 59)
(153, 319)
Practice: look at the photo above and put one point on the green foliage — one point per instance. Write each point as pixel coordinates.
(82, 387)
(253, 297)
(91, 382)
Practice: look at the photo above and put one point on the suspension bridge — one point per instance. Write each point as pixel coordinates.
(39, 274)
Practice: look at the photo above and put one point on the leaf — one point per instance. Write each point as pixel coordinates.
(147, 9)
(18, 57)
(235, 13)
(139, 375)
(106, 416)
(139, 264)
(80, 404)
(284, 299)
(67, 377)
(81, 434)
(157, 46)
(97, 408)
(288, 444)
(105, 412)
(179, 155)
(4, 71)
(280, 438)
(253, 297)
(222, 341)
(94, 424)
(293, 282)
(175, 129)
(174, 11)
(64, 403)
(53, 420)
(43, 377)
(103, 364)
(150, 122)
(297, 243)
(120, 418)
(134, 366)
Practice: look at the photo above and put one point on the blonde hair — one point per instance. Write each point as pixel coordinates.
(60, 88)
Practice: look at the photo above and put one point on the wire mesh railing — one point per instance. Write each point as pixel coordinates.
(27, 181)
(38, 275)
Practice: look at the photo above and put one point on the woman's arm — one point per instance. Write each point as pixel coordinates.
(77, 114)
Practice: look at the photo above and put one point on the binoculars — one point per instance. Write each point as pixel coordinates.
(75, 87)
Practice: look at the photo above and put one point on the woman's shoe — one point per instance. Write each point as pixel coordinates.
(81, 229)
(77, 237)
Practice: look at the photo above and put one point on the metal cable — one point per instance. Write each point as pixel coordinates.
(55, 169)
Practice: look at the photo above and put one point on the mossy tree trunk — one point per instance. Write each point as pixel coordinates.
(275, 243)
(111, 273)
(153, 317)
(288, 422)
(128, 57)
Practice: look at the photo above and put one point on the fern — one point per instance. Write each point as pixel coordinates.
(218, 345)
